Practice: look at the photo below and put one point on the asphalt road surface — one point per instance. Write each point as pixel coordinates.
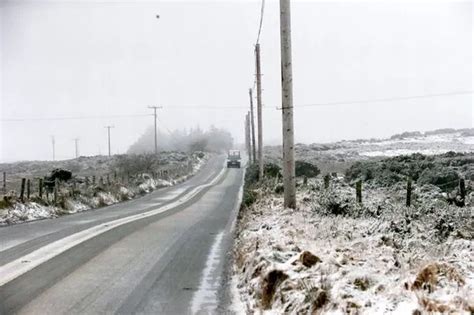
(164, 253)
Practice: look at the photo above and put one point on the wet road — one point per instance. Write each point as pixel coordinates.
(164, 253)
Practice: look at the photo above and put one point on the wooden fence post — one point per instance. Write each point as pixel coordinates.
(359, 191)
(22, 192)
(40, 188)
(56, 189)
(327, 178)
(74, 188)
(4, 182)
(28, 189)
(408, 204)
(462, 191)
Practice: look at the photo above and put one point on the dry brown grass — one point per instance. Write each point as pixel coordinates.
(433, 306)
(321, 298)
(362, 283)
(269, 285)
(308, 259)
(428, 277)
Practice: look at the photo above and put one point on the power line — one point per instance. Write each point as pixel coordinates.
(261, 21)
(73, 117)
(233, 107)
(262, 10)
(170, 133)
(206, 107)
(378, 100)
(388, 99)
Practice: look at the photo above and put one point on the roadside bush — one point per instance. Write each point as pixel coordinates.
(435, 170)
(269, 170)
(200, 154)
(303, 168)
(445, 178)
(251, 175)
(249, 197)
(6, 202)
(334, 204)
(136, 163)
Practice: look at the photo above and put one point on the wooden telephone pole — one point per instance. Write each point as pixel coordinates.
(289, 184)
(53, 142)
(259, 112)
(248, 145)
(76, 146)
(156, 130)
(252, 129)
(108, 136)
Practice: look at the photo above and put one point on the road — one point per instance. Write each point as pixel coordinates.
(164, 253)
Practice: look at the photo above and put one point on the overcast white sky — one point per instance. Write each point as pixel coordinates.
(96, 58)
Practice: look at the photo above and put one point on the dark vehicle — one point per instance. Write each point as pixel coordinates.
(233, 159)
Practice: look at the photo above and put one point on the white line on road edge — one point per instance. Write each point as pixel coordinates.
(205, 299)
(20, 266)
(206, 296)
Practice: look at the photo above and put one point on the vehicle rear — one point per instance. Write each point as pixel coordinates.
(233, 159)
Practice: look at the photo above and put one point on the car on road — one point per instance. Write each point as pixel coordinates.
(233, 159)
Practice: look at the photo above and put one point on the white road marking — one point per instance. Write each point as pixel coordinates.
(20, 266)
(205, 298)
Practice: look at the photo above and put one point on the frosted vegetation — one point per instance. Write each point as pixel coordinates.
(96, 182)
(334, 255)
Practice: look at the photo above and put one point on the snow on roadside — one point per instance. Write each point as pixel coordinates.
(307, 261)
(36, 210)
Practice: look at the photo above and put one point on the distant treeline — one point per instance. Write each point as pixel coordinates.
(194, 139)
(465, 132)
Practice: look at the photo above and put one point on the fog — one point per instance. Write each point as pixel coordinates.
(69, 68)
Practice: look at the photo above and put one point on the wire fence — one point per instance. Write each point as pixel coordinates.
(458, 185)
(46, 188)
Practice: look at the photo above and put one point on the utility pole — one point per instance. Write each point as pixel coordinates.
(259, 112)
(248, 145)
(289, 184)
(108, 136)
(156, 131)
(252, 129)
(53, 142)
(76, 145)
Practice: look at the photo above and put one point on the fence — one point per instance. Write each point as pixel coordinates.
(26, 188)
(409, 189)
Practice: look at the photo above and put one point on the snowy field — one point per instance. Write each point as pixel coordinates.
(379, 258)
(333, 255)
(335, 156)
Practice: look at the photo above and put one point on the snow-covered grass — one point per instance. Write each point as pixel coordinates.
(396, 152)
(376, 258)
(85, 197)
